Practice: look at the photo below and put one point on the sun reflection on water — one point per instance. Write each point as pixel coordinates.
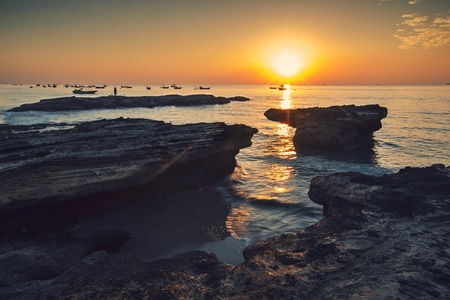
(284, 146)
(286, 101)
(238, 220)
(278, 174)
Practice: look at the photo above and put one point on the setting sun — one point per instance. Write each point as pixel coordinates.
(287, 63)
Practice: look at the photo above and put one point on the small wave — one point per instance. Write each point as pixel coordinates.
(239, 175)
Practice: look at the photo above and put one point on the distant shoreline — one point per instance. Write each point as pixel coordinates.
(112, 102)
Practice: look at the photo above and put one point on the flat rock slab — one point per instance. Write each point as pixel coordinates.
(331, 128)
(113, 102)
(102, 164)
(381, 238)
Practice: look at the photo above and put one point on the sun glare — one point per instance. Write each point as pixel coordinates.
(287, 63)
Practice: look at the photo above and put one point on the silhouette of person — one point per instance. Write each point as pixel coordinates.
(115, 91)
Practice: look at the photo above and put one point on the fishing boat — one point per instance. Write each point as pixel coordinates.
(204, 87)
(282, 87)
(83, 91)
(148, 87)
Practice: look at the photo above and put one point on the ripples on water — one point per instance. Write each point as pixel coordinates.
(268, 191)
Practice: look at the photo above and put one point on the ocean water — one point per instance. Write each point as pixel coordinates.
(268, 191)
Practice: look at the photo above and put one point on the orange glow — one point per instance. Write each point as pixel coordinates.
(303, 43)
(287, 62)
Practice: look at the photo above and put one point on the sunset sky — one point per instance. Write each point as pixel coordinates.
(225, 42)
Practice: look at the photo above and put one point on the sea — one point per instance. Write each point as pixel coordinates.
(267, 195)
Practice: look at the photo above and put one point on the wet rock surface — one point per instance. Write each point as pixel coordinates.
(331, 128)
(57, 176)
(381, 238)
(111, 102)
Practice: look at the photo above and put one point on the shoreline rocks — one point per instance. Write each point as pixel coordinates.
(57, 176)
(381, 237)
(113, 102)
(331, 128)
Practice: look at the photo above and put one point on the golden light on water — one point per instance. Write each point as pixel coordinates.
(279, 174)
(286, 101)
(237, 222)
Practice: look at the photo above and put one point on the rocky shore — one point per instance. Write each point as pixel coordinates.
(57, 176)
(381, 238)
(113, 102)
(331, 128)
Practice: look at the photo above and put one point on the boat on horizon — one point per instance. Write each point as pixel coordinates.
(282, 87)
(84, 92)
(204, 87)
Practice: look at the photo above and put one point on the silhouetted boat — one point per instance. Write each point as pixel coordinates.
(204, 87)
(164, 86)
(282, 87)
(82, 91)
(148, 87)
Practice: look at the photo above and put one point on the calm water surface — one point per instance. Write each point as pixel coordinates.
(268, 191)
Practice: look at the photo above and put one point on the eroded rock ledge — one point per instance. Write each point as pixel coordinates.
(60, 175)
(381, 238)
(112, 102)
(331, 128)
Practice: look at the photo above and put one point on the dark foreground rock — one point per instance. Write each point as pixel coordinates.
(381, 238)
(57, 176)
(112, 102)
(331, 128)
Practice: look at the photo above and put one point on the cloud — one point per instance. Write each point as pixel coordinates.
(412, 2)
(425, 31)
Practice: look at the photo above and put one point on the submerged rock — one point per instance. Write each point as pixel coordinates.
(57, 176)
(381, 238)
(111, 102)
(331, 128)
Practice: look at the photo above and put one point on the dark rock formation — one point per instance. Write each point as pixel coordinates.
(381, 238)
(111, 102)
(331, 128)
(60, 175)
